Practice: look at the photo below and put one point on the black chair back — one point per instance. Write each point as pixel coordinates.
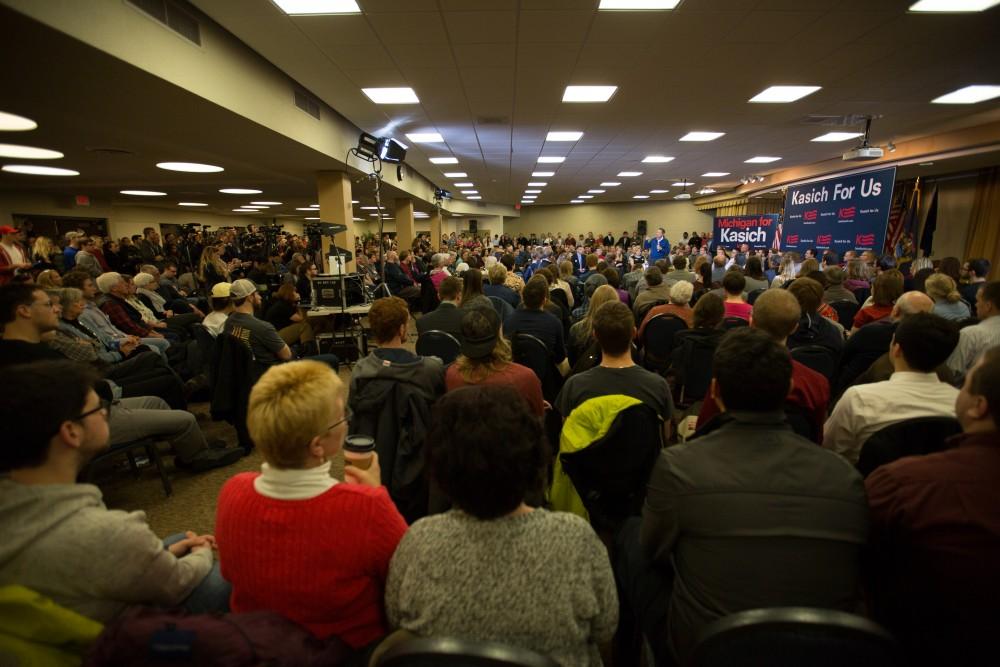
(503, 308)
(752, 296)
(204, 344)
(793, 637)
(658, 340)
(429, 299)
(530, 351)
(558, 297)
(913, 437)
(692, 365)
(862, 294)
(733, 323)
(846, 310)
(801, 422)
(610, 475)
(439, 344)
(817, 357)
(640, 314)
(452, 652)
(234, 372)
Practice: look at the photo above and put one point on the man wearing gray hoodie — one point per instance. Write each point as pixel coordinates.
(58, 537)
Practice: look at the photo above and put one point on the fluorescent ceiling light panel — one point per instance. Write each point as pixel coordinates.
(658, 192)
(575, 201)
(310, 218)
(312, 210)
(640, 196)
(706, 191)
(473, 197)
(762, 159)
(532, 192)
(954, 6)
(465, 185)
(240, 191)
(550, 159)
(143, 193)
(258, 206)
(542, 174)
(391, 95)
(355, 201)
(585, 196)
(191, 203)
(682, 184)
(191, 167)
(425, 137)
(455, 174)
(244, 210)
(596, 192)
(969, 95)
(537, 184)
(588, 93)
(527, 201)
(10, 122)
(38, 170)
(702, 136)
(629, 174)
(470, 192)
(657, 158)
(267, 203)
(610, 184)
(444, 160)
(305, 7)
(715, 174)
(358, 219)
(838, 136)
(613, 5)
(783, 94)
(28, 152)
(563, 136)
(529, 197)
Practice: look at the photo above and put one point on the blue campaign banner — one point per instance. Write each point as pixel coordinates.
(839, 214)
(757, 231)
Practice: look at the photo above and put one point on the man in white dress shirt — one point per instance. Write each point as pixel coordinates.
(921, 342)
(979, 337)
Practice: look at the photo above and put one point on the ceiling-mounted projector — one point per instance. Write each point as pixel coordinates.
(864, 151)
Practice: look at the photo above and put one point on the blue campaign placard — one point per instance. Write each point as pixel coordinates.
(757, 231)
(839, 214)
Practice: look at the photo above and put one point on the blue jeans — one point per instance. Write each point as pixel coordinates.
(156, 344)
(212, 594)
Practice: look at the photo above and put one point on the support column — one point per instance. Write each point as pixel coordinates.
(435, 229)
(404, 223)
(334, 188)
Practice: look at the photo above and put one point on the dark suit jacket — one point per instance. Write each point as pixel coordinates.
(446, 317)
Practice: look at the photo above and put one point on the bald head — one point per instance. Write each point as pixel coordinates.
(910, 303)
(776, 312)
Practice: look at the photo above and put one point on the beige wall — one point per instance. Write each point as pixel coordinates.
(955, 198)
(674, 217)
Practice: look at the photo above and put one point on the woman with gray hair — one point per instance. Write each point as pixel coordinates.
(439, 271)
(680, 305)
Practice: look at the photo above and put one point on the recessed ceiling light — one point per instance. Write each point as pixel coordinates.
(312, 210)
(968, 95)
(143, 193)
(455, 174)
(702, 136)
(781, 94)
(657, 158)
(355, 201)
(537, 184)
(313, 218)
(640, 196)
(267, 203)
(240, 191)
(470, 192)
(363, 208)
(715, 174)
(542, 174)
(682, 184)
(527, 201)
(358, 219)
(629, 174)
(373, 215)
(549, 159)
(425, 137)
(588, 93)
(244, 210)
(563, 136)
(38, 170)
(258, 206)
(391, 95)
(637, 4)
(596, 192)
(925, 164)
(193, 167)
(585, 196)
(28, 152)
(762, 159)
(575, 201)
(473, 197)
(838, 136)
(191, 203)
(529, 197)
(658, 192)
(464, 185)
(444, 160)
(952, 5)
(301, 7)
(13, 123)
(532, 192)
(610, 184)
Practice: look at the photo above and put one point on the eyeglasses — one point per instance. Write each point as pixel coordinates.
(104, 406)
(336, 424)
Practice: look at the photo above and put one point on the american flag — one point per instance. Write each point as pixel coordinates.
(902, 216)
(776, 244)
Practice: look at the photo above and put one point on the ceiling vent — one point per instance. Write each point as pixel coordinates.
(834, 121)
(171, 15)
(307, 103)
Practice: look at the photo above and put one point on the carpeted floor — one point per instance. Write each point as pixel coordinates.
(192, 505)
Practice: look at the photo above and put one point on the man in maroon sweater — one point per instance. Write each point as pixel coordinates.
(777, 312)
(935, 545)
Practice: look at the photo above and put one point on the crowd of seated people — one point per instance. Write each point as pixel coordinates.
(762, 504)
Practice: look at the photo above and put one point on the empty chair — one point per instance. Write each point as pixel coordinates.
(793, 637)
(658, 340)
(440, 344)
(452, 652)
(846, 310)
(817, 357)
(752, 296)
(913, 437)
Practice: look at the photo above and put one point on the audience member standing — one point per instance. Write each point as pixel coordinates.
(14, 257)
(447, 316)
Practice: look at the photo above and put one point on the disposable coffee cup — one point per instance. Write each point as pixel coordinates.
(359, 450)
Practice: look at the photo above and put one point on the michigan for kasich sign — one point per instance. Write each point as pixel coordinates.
(845, 213)
(757, 231)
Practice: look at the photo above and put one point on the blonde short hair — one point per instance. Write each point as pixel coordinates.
(289, 406)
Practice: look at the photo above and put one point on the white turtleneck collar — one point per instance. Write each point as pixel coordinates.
(293, 483)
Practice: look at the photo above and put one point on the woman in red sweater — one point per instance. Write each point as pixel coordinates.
(888, 287)
(291, 538)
